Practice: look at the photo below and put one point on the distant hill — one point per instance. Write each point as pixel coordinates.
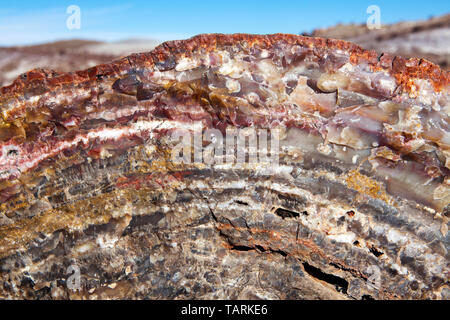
(428, 39)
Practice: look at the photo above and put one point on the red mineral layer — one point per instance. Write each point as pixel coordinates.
(404, 70)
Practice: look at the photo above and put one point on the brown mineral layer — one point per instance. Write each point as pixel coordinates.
(353, 204)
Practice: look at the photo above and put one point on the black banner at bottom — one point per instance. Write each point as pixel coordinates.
(221, 309)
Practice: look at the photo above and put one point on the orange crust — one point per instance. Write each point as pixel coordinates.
(403, 70)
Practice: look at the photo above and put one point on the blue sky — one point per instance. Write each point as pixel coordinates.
(31, 21)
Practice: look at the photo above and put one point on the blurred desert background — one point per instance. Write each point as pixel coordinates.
(429, 39)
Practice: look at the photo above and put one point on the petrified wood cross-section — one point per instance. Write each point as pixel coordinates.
(357, 206)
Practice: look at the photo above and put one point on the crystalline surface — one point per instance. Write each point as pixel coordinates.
(357, 205)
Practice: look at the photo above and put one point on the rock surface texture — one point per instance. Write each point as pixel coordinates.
(357, 207)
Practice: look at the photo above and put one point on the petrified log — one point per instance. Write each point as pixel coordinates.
(352, 203)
